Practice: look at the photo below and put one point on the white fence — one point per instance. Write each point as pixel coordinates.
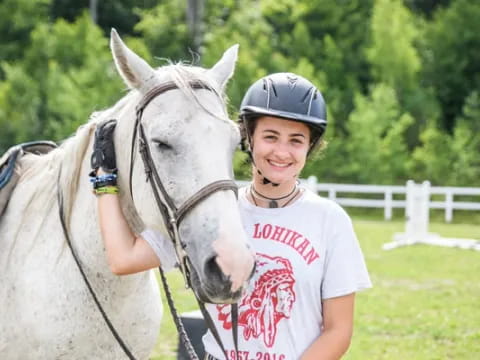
(390, 197)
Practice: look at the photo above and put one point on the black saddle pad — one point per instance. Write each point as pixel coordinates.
(7, 162)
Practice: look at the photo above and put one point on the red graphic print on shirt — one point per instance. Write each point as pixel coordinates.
(271, 300)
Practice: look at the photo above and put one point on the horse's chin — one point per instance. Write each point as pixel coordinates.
(213, 293)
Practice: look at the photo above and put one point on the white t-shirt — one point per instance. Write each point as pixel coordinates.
(306, 252)
(162, 246)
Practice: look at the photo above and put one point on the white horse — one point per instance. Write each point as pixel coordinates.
(46, 311)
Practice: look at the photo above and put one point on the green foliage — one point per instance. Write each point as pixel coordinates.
(454, 159)
(451, 53)
(426, 7)
(377, 151)
(395, 59)
(433, 158)
(164, 29)
(120, 14)
(66, 73)
(392, 53)
(17, 19)
(19, 107)
(241, 164)
(466, 144)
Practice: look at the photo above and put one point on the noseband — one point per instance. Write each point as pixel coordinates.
(173, 216)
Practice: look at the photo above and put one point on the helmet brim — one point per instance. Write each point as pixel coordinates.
(256, 111)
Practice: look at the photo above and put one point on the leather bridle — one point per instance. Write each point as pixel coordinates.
(172, 216)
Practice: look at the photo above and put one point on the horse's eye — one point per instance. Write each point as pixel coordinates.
(162, 145)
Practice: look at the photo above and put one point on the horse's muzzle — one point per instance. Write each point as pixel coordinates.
(214, 286)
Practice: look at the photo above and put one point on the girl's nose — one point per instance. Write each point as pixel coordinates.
(282, 151)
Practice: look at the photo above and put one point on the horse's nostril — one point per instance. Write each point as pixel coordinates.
(213, 271)
(217, 285)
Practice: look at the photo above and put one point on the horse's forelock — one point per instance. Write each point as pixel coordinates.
(183, 75)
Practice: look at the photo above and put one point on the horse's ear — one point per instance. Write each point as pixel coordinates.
(134, 70)
(223, 69)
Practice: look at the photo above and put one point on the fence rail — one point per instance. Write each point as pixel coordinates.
(349, 195)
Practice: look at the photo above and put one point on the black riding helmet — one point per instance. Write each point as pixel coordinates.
(288, 96)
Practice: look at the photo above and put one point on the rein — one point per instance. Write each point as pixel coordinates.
(124, 347)
(172, 217)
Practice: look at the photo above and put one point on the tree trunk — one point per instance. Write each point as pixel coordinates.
(195, 10)
(94, 10)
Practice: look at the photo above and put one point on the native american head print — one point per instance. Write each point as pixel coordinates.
(269, 299)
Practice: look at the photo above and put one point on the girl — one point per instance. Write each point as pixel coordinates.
(300, 301)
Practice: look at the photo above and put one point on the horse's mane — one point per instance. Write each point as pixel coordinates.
(69, 155)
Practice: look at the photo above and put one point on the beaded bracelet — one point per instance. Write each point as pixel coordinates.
(100, 184)
(106, 190)
(105, 177)
(103, 180)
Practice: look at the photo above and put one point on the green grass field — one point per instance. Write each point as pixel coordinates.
(425, 303)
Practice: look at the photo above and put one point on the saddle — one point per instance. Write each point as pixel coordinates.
(8, 176)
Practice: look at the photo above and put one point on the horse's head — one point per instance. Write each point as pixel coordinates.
(191, 142)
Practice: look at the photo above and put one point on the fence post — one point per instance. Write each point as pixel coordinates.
(312, 183)
(388, 205)
(417, 210)
(448, 206)
(332, 195)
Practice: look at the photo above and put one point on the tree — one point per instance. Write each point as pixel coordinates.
(432, 160)
(17, 19)
(165, 31)
(394, 58)
(120, 14)
(466, 144)
(451, 53)
(376, 148)
(451, 159)
(396, 61)
(426, 7)
(66, 73)
(194, 14)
